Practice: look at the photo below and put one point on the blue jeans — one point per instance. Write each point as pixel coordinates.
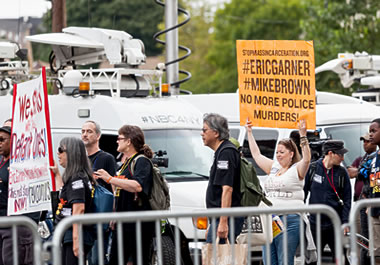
(238, 225)
(277, 249)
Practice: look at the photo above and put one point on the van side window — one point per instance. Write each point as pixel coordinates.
(266, 140)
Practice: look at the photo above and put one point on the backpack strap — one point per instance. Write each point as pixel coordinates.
(311, 174)
(224, 148)
(134, 161)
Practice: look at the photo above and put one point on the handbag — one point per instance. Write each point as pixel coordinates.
(102, 201)
(224, 254)
(259, 231)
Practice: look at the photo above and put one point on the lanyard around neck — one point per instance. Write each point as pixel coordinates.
(331, 182)
(126, 164)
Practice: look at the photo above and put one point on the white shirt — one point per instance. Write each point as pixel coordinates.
(286, 189)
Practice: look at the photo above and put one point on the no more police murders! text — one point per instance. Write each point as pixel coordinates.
(278, 102)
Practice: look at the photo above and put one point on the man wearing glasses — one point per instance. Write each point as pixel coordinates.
(223, 189)
(329, 184)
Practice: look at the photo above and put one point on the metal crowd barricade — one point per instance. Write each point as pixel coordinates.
(156, 216)
(12, 222)
(355, 210)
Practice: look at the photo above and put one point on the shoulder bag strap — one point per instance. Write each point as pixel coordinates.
(133, 163)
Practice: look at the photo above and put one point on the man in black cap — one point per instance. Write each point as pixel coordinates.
(329, 184)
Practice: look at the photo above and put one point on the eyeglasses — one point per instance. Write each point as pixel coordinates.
(3, 139)
(61, 150)
(121, 138)
(205, 130)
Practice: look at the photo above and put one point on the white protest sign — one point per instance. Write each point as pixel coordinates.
(30, 179)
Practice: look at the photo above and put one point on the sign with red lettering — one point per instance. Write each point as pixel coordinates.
(30, 179)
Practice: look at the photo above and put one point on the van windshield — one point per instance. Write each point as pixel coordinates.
(188, 158)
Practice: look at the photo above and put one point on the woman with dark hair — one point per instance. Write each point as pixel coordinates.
(132, 187)
(75, 187)
(284, 187)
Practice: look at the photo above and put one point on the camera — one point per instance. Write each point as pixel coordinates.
(159, 160)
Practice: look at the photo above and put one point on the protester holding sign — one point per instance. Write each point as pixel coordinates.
(284, 186)
(75, 195)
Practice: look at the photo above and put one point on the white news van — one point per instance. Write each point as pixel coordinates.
(123, 95)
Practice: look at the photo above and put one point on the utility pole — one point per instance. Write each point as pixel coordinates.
(58, 22)
(58, 15)
(172, 70)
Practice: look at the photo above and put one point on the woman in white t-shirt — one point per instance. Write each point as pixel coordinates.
(284, 187)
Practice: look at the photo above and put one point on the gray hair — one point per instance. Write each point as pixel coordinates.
(98, 131)
(77, 160)
(219, 124)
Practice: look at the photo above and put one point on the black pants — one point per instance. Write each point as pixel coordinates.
(130, 243)
(24, 246)
(327, 238)
(364, 258)
(68, 257)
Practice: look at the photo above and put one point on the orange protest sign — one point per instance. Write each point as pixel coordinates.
(276, 82)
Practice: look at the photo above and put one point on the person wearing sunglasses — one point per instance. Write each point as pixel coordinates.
(284, 187)
(74, 186)
(132, 185)
(223, 190)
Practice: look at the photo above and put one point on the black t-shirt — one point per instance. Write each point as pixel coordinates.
(129, 201)
(76, 190)
(103, 160)
(4, 176)
(225, 171)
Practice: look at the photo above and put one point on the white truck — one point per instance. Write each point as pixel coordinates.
(127, 95)
(361, 68)
(13, 67)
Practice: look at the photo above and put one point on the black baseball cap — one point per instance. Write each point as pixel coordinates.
(6, 129)
(336, 146)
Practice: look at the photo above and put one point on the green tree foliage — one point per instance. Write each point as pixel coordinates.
(196, 36)
(341, 26)
(140, 18)
(243, 19)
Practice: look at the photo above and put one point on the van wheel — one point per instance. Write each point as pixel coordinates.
(168, 251)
